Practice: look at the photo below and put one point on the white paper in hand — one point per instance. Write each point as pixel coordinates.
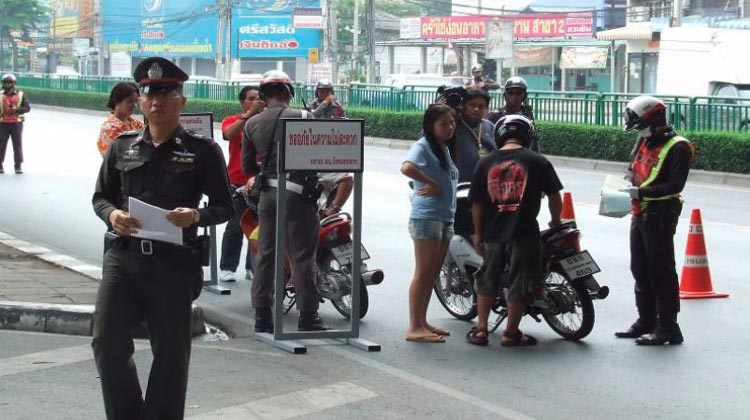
(614, 203)
(154, 223)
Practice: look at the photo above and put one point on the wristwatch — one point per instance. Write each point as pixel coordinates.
(196, 217)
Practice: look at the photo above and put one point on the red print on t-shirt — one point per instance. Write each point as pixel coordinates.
(506, 183)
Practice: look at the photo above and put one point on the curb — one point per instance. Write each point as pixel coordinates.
(695, 175)
(63, 318)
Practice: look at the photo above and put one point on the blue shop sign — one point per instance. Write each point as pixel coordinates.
(168, 28)
(272, 37)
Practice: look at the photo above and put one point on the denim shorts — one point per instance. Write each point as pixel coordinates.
(430, 230)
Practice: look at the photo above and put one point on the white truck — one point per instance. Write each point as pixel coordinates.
(699, 61)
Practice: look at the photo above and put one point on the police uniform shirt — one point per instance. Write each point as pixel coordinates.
(176, 173)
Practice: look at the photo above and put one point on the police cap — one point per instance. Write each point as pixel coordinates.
(157, 74)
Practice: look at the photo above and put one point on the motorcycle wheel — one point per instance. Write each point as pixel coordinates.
(456, 293)
(570, 311)
(344, 304)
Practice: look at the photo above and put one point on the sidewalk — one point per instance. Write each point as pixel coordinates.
(55, 297)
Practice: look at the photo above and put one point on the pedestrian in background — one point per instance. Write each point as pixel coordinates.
(231, 130)
(13, 106)
(123, 100)
(433, 208)
(506, 195)
(514, 96)
(263, 133)
(172, 168)
(658, 172)
(326, 106)
(479, 81)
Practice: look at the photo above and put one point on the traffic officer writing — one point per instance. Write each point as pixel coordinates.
(169, 167)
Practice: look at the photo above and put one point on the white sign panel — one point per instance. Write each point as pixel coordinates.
(121, 65)
(410, 28)
(320, 71)
(308, 18)
(323, 145)
(202, 123)
(499, 39)
(584, 57)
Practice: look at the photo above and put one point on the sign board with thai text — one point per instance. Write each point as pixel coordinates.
(499, 39)
(322, 145)
(525, 26)
(311, 18)
(584, 57)
(410, 28)
(201, 123)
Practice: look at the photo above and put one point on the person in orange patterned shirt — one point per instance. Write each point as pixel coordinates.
(122, 101)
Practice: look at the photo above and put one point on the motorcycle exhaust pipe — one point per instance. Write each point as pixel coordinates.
(596, 291)
(373, 277)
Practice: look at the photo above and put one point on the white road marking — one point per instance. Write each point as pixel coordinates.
(49, 359)
(506, 413)
(293, 404)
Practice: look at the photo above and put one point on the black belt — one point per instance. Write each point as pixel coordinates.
(150, 247)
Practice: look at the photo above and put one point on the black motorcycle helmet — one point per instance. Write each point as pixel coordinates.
(323, 84)
(516, 82)
(515, 127)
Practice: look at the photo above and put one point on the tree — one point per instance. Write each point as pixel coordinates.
(19, 16)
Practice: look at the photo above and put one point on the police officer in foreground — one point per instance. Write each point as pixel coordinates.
(658, 172)
(263, 133)
(169, 167)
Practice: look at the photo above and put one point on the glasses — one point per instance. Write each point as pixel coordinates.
(514, 92)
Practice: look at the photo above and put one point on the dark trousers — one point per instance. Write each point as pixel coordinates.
(657, 289)
(231, 242)
(302, 225)
(13, 131)
(159, 289)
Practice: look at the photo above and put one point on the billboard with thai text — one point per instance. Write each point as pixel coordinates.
(169, 28)
(265, 29)
(525, 26)
(71, 18)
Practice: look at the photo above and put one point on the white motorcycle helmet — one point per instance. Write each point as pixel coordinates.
(644, 112)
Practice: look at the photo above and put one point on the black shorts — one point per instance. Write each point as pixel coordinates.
(516, 265)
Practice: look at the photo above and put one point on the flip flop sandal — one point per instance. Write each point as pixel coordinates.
(473, 338)
(432, 338)
(516, 339)
(440, 331)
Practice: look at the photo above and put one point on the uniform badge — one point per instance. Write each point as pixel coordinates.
(131, 154)
(183, 156)
(155, 72)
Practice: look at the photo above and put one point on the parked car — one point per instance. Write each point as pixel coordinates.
(417, 90)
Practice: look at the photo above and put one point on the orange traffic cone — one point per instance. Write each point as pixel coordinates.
(696, 276)
(567, 214)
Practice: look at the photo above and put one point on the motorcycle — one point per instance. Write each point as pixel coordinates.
(569, 288)
(333, 268)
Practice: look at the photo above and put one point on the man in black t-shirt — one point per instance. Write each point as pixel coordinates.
(506, 193)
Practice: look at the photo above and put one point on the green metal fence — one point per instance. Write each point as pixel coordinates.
(702, 113)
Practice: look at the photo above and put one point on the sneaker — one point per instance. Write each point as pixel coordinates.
(249, 275)
(226, 276)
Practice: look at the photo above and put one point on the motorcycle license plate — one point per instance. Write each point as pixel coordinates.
(345, 253)
(579, 265)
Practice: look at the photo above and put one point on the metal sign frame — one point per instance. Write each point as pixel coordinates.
(279, 338)
(206, 129)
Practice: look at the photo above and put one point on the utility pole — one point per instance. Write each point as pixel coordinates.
(355, 38)
(334, 41)
(228, 42)
(371, 41)
(99, 36)
(223, 37)
(676, 13)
